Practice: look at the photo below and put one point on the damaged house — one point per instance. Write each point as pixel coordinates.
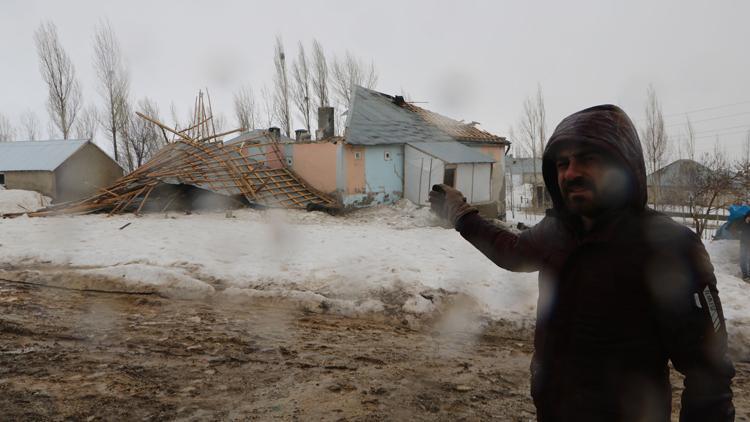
(392, 149)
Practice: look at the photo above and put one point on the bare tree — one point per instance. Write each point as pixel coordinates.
(350, 71)
(219, 123)
(281, 104)
(140, 138)
(743, 171)
(541, 116)
(58, 72)
(87, 123)
(244, 108)
(532, 133)
(114, 83)
(30, 125)
(654, 138)
(302, 92)
(709, 186)
(320, 74)
(174, 115)
(7, 131)
(268, 107)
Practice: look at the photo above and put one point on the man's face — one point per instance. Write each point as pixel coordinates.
(589, 181)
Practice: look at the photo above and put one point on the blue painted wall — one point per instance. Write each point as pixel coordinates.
(384, 178)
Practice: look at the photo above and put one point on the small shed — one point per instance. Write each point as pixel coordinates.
(449, 162)
(64, 170)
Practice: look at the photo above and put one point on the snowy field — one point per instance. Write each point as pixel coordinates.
(351, 265)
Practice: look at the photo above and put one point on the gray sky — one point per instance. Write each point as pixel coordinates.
(472, 60)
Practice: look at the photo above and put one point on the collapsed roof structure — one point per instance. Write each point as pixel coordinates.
(196, 163)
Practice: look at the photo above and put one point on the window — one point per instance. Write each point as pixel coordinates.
(357, 155)
(2, 179)
(449, 177)
(387, 156)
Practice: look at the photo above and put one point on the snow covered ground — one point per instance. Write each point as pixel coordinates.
(15, 200)
(354, 264)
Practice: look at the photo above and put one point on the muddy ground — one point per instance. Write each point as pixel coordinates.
(69, 355)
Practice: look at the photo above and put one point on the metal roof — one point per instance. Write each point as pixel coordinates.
(259, 136)
(521, 165)
(679, 173)
(460, 131)
(451, 152)
(374, 119)
(37, 155)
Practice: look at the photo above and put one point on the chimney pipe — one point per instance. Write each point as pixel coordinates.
(300, 135)
(325, 123)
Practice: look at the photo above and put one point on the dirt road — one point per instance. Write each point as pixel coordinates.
(93, 356)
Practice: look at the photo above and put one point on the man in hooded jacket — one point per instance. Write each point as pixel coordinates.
(622, 289)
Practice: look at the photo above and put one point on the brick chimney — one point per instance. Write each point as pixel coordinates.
(325, 123)
(301, 135)
(275, 132)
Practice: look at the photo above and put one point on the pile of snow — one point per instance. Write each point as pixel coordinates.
(16, 200)
(388, 259)
(734, 293)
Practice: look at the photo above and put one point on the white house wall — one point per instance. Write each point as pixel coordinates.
(421, 172)
(473, 180)
(482, 183)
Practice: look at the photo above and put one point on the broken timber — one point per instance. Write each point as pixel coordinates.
(244, 171)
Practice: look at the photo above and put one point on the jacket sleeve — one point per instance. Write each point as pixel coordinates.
(507, 250)
(693, 329)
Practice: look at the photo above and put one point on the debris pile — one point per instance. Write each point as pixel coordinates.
(197, 169)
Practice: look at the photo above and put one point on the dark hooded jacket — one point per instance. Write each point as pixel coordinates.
(616, 302)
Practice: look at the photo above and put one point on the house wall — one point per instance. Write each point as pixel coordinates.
(40, 181)
(84, 173)
(316, 163)
(473, 180)
(421, 172)
(497, 189)
(384, 178)
(371, 179)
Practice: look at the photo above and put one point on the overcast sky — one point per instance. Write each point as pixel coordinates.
(472, 60)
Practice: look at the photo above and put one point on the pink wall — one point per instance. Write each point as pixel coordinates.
(355, 169)
(316, 163)
(275, 156)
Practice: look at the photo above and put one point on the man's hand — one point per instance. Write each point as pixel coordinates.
(449, 203)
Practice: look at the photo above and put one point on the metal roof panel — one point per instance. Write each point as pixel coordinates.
(37, 155)
(452, 152)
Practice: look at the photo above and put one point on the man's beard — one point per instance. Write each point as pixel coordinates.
(587, 207)
(616, 189)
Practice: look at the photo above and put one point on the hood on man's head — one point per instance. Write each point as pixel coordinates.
(606, 126)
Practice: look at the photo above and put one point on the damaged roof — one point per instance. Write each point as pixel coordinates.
(451, 152)
(375, 118)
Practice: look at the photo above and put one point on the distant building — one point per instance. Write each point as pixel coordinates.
(673, 183)
(63, 170)
(525, 184)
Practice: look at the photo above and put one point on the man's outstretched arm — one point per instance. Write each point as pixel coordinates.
(506, 249)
